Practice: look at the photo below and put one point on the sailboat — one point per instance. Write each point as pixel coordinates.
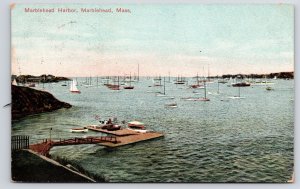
(179, 81)
(205, 98)
(163, 94)
(114, 86)
(222, 81)
(130, 86)
(64, 84)
(239, 82)
(264, 82)
(268, 88)
(157, 82)
(239, 95)
(171, 105)
(73, 87)
(198, 99)
(208, 76)
(15, 82)
(88, 82)
(197, 85)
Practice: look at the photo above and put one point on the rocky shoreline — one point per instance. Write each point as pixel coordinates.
(27, 101)
(28, 166)
(279, 75)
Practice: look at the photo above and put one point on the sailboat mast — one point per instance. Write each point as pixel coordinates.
(204, 89)
(203, 73)
(159, 80)
(164, 86)
(138, 72)
(208, 72)
(218, 86)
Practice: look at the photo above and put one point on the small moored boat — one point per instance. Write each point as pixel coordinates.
(111, 127)
(171, 105)
(136, 125)
(128, 87)
(241, 84)
(79, 130)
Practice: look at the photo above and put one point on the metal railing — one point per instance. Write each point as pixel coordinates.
(19, 142)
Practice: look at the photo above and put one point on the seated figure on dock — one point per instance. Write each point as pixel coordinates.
(109, 122)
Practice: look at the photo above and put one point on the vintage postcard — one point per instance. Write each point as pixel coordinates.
(184, 93)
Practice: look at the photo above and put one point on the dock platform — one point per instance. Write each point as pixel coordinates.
(130, 139)
(116, 139)
(126, 136)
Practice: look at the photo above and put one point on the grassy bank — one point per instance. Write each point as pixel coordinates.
(28, 167)
(76, 167)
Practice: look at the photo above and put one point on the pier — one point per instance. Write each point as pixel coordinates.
(44, 147)
(130, 139)
(126, 136)
(116, 139)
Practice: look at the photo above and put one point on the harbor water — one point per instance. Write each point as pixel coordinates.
(222, 140)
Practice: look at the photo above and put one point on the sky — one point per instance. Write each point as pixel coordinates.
(177, 39)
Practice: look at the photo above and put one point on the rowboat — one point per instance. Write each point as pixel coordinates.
(79, 130)
(111, 127)
(136, 125)
(128, 87)
(171, 105)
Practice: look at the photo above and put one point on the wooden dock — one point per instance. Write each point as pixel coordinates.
(126, 136)
(118, 138)
(44, 147)
(130, 139)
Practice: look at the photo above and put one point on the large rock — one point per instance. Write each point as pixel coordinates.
(27, 101)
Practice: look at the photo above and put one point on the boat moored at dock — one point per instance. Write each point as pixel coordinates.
(79, 130)
(136, 125)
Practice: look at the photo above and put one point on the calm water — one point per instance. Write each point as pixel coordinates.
(241, 140)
